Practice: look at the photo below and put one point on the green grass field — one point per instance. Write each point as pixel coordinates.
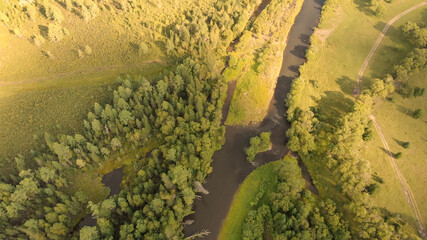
(397, 123)
(232, 226)
(399, 126)
(343, 41)
(256, 61)
(53, 94)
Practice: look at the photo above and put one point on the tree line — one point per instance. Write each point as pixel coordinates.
(293, 212)
(177, 116)
(336, 148)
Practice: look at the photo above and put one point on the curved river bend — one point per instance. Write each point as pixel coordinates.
(230, 167)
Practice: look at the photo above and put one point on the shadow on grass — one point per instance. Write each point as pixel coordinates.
(401, 143)
(333, 105)
(44, 31)
(380, 26)
(346, 84)
(364, 7)
(424, 14)
(387, 152)
(405, 110)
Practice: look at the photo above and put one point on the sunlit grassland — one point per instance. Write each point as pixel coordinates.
(232, 226)
(54, 106)
(257, 61)
(53, 94)
(334, 63)
(398, 125)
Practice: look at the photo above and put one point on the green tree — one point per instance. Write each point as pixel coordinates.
(417, 113)
(89, 233)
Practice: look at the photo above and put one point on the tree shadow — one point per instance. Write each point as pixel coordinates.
(294, 68)
(401, 143)
(44, 31)
(305, 38)
(333, 105)
(346, 84)
(363, 6)
(380, 25)
(299, 51)
(387, 152)
(405, 110)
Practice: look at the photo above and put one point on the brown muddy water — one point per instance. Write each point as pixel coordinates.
(230, 167)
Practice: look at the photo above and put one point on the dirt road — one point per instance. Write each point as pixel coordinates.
(406, 189)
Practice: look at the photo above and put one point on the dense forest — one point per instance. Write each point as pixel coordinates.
(175, 117)
(165, 129)
(292, 211)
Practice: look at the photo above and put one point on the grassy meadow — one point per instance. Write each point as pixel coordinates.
(255, 63)
(50, 87)
(397, 123)
(340, 45)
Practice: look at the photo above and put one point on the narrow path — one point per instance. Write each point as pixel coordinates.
(377, 43)
(406, 189)
(79, 72)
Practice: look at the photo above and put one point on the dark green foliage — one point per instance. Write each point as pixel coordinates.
(416, 34)
(300, 133)
(417, 113)
(378, 178)
(413, 63)
(253, 228)
(369, 132)
(397, 155)
(372, 188)
(293, 212)
(406, 145)
(257, 145)
(418, 92)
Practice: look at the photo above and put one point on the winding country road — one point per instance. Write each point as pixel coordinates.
(406, 189)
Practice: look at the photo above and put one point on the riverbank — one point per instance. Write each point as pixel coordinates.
(230, 167)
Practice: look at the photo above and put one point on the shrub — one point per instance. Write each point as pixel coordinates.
(398, 155)
(372, 188)
(417, 113)
(405, 145)
(379, 10)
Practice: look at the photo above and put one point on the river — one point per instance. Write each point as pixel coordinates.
(112, 180)
(230, 167)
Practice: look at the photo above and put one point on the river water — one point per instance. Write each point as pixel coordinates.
(112, 180)
(230, 167)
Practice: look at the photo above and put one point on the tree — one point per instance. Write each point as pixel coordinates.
(89, 233)
(300, 137)
(398, 155)
(417, 113)
(125, 117)
(115, 143)
(63, 152)
(405, 145)
(379, 10)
